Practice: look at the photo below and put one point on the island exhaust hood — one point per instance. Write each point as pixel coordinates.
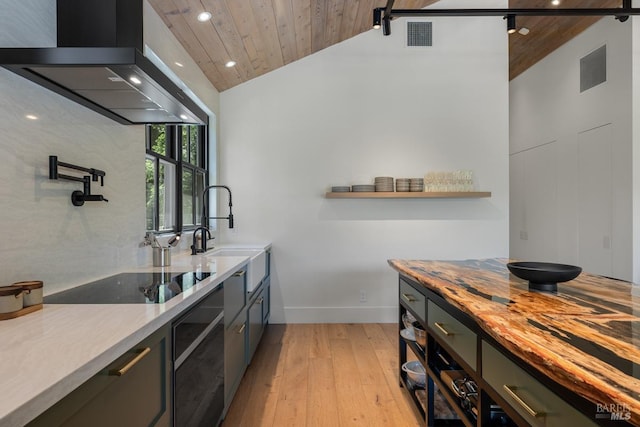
(98, 62)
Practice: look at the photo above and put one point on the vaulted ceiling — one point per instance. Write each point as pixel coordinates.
(547, 33)
(263, 35)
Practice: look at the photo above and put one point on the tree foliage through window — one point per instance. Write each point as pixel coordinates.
(176, 159)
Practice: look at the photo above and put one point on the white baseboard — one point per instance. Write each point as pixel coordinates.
(387, 314)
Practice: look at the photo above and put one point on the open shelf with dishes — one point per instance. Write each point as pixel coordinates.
(430, 402)
(408, 195)
(439, 372)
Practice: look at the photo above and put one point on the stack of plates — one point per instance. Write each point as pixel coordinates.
(416, 184)
(341, 189)
(402, 184)
(384, 183)
(363, 188)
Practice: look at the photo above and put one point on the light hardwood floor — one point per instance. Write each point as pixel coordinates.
(323, 375)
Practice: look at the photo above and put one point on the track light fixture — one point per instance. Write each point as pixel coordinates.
(511, 23)
(386, 25)
(377, 17)
(626, 4)
(384, 15)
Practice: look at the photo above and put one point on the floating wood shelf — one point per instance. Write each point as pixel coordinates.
(409, 195)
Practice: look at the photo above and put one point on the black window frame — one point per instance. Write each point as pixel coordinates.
(173, 155)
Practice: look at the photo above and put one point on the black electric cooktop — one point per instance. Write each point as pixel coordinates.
(129, 288)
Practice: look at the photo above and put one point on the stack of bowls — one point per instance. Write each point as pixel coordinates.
(416, 184)
(384, 183)
(402, 184)
(360, 188)
(341, 189)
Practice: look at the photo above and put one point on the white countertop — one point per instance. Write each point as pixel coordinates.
(47, 354)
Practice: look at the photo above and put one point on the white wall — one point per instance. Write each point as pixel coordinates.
(363, 108)
(44, 236)
(28, 23)
(571, 162)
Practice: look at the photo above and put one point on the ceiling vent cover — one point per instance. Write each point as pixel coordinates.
(419, 34)
(593, 69)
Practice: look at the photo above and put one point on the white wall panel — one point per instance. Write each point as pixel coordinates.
(546, 105)
(534, 212)
(595, 204)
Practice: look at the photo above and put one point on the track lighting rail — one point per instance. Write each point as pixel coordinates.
(382, 16)
(620, 11)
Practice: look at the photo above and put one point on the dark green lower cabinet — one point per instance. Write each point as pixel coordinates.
(256, 323)
(235, 345)
(245, 320)
(266, 293)
(134, 390)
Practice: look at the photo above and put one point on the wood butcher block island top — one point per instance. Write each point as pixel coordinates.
(585, 337)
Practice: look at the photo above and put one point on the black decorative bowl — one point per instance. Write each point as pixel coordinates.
(544, 276)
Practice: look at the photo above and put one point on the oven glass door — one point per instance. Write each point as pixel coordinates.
(199, 364)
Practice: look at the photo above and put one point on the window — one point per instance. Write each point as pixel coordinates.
(176, 159)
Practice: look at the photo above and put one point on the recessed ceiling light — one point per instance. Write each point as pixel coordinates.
(555, 2)
(230, 64)
(524, 31)
(31, 117)
(204, 16)
(135, 80)
(184, 116)
(179, 64)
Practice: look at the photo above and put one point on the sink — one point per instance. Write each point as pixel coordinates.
(235, 252)
(256, 268)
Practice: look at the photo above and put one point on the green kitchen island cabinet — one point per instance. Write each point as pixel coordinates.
(497, 353)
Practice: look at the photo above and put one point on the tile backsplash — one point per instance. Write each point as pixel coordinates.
(44, 236)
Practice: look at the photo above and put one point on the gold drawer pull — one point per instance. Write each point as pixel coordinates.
(239, 273)
(440, 326)
(141, 354)
(409, 297)
(511, 390)
(241, 330)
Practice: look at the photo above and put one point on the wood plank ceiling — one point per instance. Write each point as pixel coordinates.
(263, 35)
(547, 33)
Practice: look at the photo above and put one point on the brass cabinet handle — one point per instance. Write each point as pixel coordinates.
(141, 354)
(409, 297)
(239, 273)
(260, 300)
(511, 390)
(241, 330)
(440, 326)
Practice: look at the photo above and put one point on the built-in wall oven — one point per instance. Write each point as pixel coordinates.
(198, 363)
